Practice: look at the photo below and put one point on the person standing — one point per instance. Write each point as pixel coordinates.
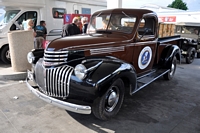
(84, 22)
(71, 29)
(41, 32)
(30, 25)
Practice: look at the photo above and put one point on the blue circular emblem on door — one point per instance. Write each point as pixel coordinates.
(145, 58)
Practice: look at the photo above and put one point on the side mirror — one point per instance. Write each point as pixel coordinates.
(146, 30)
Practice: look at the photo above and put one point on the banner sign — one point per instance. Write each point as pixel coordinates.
(167, 18)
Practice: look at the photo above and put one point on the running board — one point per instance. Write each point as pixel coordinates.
(144, 81)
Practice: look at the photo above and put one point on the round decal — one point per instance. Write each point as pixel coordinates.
(145, 57)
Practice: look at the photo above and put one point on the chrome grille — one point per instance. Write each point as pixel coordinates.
(57, 81)
(55, 57)
(53, 81)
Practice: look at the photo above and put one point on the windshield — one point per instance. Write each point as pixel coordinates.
(187, 30)
(9, 15)
(119, 22)
(2, 12)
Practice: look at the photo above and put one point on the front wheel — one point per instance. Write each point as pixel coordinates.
(190, 55)
(170, 74)
(109, 104)
(5, 54)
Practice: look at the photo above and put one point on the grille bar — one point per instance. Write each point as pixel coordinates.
(56, 56)
(53, 56)
(54, 59)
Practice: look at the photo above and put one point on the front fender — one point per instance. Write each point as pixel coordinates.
(38, 53)
(168, 54)
(109, 71)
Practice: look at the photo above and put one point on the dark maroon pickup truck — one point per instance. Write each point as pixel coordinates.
(91, 72)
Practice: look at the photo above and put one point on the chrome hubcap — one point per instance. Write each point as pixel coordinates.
(8, 54)
(192, 56)
(172, 69)
(112, 99)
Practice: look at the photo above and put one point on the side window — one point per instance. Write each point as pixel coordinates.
(178, 29)
(86, 11)
(21, 21)
(147, 27)
(58, 13)
(32, 15)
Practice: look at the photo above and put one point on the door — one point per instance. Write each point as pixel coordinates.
(145, 47)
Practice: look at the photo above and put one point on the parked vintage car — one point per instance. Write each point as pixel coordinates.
(190, 33)
(91, 72)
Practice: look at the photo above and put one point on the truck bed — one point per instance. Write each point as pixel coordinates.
(169, 39)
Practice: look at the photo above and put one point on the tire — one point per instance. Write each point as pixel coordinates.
(170, 74)
(5, 55)
(109, 104)
(198, 54)
(190, 55)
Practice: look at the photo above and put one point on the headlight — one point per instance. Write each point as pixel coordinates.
(30, 57)
(80, 71)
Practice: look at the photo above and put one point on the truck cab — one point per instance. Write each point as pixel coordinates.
(121, 54)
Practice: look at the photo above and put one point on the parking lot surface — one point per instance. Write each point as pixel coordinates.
(162, 107)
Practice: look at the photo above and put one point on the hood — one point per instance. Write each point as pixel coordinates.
(87, 41)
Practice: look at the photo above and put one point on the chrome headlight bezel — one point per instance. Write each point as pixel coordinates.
(30, 57)
(185, 41)
(80, 71)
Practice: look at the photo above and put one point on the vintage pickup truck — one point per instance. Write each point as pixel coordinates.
(92, 72)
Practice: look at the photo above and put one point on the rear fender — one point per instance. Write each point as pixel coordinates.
(168, 54)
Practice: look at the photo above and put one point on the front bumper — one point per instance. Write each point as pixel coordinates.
(81, 109)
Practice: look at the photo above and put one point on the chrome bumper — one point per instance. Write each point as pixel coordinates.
(65, 105)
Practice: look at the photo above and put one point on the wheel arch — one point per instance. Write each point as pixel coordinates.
(126, 72)
(168, 54)
(3, 46)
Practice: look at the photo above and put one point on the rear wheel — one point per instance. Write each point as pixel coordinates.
(5, 54)
(170, 74)
(190, 55)
(109, 104)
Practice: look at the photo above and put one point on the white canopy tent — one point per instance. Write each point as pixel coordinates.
(171, 15)
(165, 14)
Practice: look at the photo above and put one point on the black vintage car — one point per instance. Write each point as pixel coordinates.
(190, 44)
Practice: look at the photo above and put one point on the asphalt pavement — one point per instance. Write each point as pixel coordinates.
(161, 107)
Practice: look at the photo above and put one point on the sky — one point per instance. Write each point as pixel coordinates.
(193, 5)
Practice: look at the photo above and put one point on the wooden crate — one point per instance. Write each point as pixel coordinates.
(160, 31)
(166, 30)
(172, 30)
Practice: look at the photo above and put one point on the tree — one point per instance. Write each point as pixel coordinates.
(178, 4)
